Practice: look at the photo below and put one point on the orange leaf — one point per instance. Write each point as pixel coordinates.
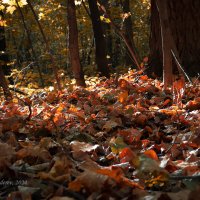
(126, 155)
(117, 174)
(151, 154)
(178, 91)
(166, 102)
(75, 185)
(144, 77)
(123, 96)
(145, 143)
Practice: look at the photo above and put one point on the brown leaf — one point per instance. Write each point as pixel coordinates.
(193, 105)
(80, 150)
(60, 171)
(110, 125)
(36, 152)
(6, 152)
(141, 119)
(90, 180)
(123, 84)
(12, 124)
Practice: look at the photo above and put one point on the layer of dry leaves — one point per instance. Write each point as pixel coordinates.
(123, 138)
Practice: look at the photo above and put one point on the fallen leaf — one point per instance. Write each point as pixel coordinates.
(123, 96)
(151, 154)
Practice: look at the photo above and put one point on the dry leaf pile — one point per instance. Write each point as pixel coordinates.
(121, 138)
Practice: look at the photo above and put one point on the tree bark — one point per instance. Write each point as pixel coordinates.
(109, 36)
(100, 42)
(3, 60)
(167, 42)
(128, 29)
(73, 44)
(184, 23)
(155, 43)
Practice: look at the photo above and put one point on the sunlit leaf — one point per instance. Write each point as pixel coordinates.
(10, 9)
(123, 96)
(117, 174)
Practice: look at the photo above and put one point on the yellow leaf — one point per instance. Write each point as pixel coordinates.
(104, 19)
(10, 9)
(117, 145)
(2, 7)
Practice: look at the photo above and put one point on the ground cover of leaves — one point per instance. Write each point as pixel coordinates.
(121, 138)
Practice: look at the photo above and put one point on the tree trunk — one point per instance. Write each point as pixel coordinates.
(73, 44)
(117, 51)
(108, 32)
(184, 24)
(155, 43)
(167, 42)
(3, 60)
(100, 42)
(128, 29)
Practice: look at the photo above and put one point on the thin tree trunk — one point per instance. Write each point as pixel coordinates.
(100, 42)
(55, 69)
(30, 43)
(3, 60)
(3, 84)
(117, 51)
(169, 49)
(109, 36)
(155, 68)
(167, 42)
(128, 27)
(73, 44)
(122, 35)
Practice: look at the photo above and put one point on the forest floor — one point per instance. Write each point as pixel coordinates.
(120, 138)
